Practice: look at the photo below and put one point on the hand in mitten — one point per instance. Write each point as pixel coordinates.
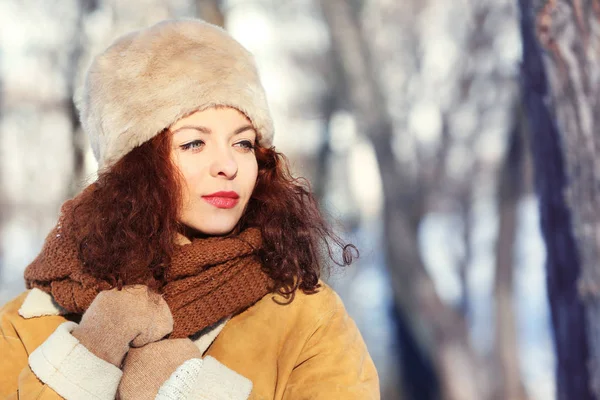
(118, 318)
(145, 369)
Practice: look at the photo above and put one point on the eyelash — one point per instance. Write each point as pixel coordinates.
(190, 145)
(246, 144)
(195, 144)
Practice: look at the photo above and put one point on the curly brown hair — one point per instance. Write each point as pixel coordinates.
(128, 224)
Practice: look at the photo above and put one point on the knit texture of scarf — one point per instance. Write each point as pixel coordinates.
(208, 280)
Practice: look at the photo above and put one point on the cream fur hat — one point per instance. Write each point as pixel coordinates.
(148, 79)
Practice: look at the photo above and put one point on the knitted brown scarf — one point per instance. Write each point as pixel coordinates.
(208, 280)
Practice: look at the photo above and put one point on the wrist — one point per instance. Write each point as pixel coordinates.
(146, 368)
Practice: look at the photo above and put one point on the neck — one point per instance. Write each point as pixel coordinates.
(181, 239)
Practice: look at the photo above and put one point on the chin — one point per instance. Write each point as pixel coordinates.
(216, 231)
(212, 228)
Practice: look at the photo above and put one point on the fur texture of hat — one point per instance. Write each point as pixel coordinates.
(148, 79)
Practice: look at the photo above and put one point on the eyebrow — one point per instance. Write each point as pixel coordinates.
(206, 130)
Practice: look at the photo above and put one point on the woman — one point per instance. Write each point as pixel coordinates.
(190, 268)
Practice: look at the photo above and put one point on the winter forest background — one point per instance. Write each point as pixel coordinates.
(453, 141)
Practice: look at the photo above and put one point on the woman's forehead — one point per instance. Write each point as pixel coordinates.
(215, 118)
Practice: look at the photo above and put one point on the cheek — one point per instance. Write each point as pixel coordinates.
(252, 169)
(191, 176)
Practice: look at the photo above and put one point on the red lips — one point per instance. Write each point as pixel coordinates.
(222, 199)
(229, 195)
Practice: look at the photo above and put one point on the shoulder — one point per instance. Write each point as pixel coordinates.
(32, 303)
(10, 310)
(320, 306)
(31, 316)
(275, 331)
(322, 302)
(305, 312)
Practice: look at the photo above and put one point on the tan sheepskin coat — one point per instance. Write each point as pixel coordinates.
(308, 349)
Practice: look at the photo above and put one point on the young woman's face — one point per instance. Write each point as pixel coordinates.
(214, 150)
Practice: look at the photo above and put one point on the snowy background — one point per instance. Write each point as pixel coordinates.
(46, 45)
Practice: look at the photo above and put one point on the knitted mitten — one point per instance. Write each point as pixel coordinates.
(145, 369)
(116, 319)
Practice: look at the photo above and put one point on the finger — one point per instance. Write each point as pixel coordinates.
(160, 324)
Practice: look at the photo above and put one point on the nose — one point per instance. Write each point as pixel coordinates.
(224, 165)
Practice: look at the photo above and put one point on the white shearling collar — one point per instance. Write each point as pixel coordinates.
(39, 303)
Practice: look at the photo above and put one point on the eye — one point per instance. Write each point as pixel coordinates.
(194, 144)
(245, 144)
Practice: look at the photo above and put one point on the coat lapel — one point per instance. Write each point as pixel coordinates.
(39, 303)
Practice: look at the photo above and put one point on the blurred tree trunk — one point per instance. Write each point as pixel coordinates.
(438, 329)
(561, 93)
(324, 154)
(507, 382)
(210, 11)
(465, 198)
